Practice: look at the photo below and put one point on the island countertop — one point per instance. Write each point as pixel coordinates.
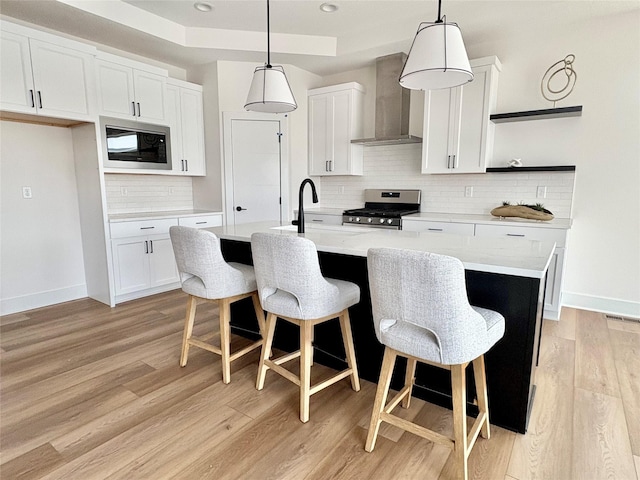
(508, 256)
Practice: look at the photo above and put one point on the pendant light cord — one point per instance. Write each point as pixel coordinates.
(268, 39)
(439, 8)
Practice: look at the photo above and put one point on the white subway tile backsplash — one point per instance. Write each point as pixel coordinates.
(147, 193)
(399, 166)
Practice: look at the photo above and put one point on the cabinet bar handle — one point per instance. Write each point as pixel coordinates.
(138, 108)
(316, 220)
(434, 229)
(40, 98)
(33, 101)
(151, 242)
(133, 106)
(515, 234)
(448, 161)
(201, 223)
(146, 246)
(182, 165)
(326, 165)
(146, 228)
(186, 163)
(455, 161)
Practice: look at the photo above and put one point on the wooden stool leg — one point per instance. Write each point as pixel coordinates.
(225, 338)
(379, 403)
(188, 329)
(459, 396)
(266, 349)
(481, 389)
(259, 313)
(409, 377)
(306, 351)
(311, 340)
(347, 339)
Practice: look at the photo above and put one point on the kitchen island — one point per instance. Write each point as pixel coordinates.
(502, 274)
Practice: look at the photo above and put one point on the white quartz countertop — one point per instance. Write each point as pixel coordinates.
(125, 217)
(508, 256)
(562, 223)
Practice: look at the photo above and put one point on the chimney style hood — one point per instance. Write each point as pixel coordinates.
(392, 104)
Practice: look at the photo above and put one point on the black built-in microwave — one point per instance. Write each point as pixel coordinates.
(131, 144)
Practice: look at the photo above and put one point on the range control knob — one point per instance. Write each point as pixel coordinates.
(389, 221)
(357, 219)
(369, 220)
(351, 219)
(382, 220)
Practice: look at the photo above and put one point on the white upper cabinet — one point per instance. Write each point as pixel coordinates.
(335, 118)
(45, 77)
(130, 90)
(458, 136)
(185, 118)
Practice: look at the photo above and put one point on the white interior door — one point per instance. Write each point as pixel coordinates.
(254, 168)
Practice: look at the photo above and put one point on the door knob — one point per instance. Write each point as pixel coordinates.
(239, 209)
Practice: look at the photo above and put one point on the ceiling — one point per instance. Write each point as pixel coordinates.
(174, 32)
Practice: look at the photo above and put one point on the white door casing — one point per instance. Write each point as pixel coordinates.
(255, 167)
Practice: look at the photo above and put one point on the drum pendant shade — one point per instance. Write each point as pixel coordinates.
(270, 91)
(437, 59)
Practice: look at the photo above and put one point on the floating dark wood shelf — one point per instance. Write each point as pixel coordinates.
(537, 114)
(550, 168)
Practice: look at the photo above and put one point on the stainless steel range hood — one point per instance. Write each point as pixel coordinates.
(392, 105)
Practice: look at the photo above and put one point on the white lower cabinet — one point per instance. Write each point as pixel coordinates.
(202, 221)
(143, 260)
(438, 227)
(553, 288)
(322, 219)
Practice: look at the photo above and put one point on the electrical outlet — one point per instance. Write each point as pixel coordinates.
(341, 188)
(171, 191)
(541, 192)
(123, 191)
(468, 191)
(26, 192)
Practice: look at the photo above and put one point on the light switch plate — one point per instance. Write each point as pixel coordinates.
(26, 192)
(468, 191)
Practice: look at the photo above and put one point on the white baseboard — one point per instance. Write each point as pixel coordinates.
(623, 308)
(42, 299)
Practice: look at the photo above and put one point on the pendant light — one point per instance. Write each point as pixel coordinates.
(437, 58)
(270, 91)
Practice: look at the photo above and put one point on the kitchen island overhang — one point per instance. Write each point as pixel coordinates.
(507, 275)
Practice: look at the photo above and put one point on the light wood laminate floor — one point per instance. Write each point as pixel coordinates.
(89, 392)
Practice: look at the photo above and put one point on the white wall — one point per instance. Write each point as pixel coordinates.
(603, 258)
(41, 253)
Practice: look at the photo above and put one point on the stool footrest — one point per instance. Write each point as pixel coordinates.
(417, 429)
(245, 350)
(286, 358)
(398, 398)
(330, 381)
(282, 371)
(196, 342)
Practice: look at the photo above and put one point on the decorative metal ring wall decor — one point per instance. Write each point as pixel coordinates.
(563, 66)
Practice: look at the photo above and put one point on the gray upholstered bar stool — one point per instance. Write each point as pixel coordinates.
(291, 287)
(421, 312)
(204, 273)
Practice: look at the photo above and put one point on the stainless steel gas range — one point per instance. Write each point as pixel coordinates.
(383, 208)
